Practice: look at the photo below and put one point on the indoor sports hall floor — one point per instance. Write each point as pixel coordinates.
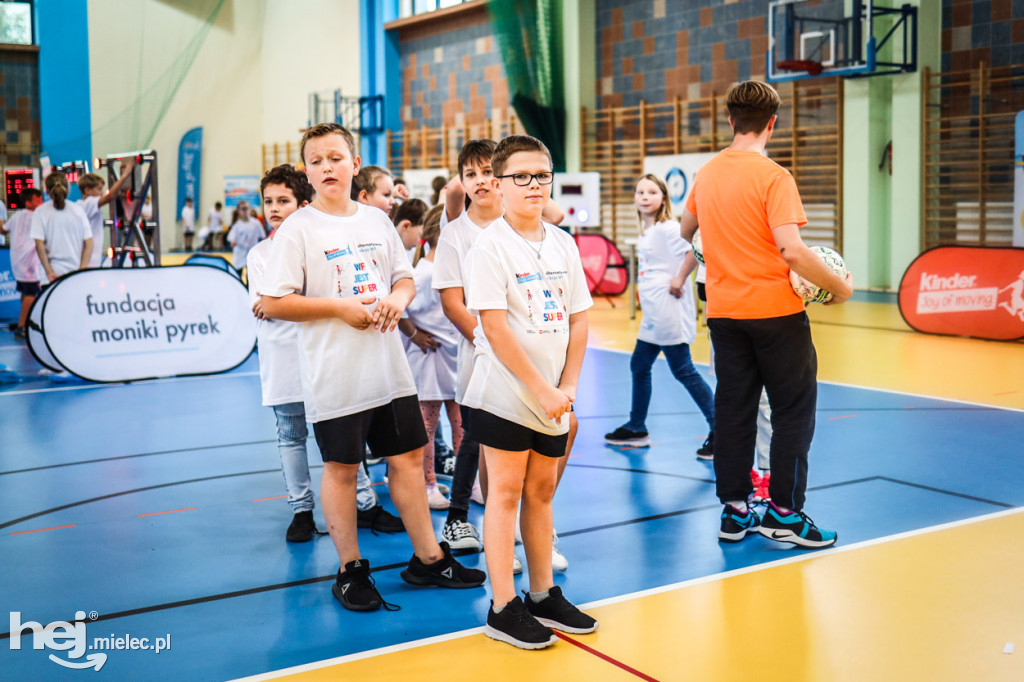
(157, 508)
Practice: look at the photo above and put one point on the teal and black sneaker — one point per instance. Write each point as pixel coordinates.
(796, 527)
(736, 524)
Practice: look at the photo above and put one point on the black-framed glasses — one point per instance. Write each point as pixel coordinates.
(524, 179)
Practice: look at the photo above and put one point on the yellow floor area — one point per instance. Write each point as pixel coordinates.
(889, 610)
(868, 344)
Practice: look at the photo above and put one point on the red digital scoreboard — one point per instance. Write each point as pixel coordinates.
(17, 180)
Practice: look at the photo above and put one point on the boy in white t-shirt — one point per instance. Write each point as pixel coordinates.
(24, 259)
(285, 190)
(527, 287)
(61, 231)
(338, 267)
(93, 199)
(188, 223)
(214, 224)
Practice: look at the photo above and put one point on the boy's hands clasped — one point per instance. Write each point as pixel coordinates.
(556, 401)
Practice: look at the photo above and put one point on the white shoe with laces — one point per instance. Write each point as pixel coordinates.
(435, 500)
(559, 564)
(461, 535)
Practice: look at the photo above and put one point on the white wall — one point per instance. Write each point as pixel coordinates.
(248, 85)
(308, 46)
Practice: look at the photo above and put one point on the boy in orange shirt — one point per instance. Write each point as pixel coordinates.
(762, 337)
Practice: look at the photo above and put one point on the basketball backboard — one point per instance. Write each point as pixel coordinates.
(808, 40)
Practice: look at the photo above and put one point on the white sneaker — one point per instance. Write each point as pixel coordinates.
(445, 490)
(461, 535)
(478, 494)
(435, 500)
(517, 565)
(559, 564)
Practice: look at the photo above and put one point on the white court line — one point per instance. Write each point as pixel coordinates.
(13, 347)
(802, 556)
(128, 383)
(866, 388)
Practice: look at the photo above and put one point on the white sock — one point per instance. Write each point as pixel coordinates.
(739, 506)
(538, 597)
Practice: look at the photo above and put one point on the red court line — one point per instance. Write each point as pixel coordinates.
(1005, 393)
(40, 530)
(172, 511)
(605, 657)
(264, 499)
(842, 416)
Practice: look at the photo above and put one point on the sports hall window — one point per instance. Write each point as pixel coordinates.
(409, 8)
(16, 22)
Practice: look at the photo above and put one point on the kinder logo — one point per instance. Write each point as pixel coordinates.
(527, 277)
(72, 638)
(966, 291)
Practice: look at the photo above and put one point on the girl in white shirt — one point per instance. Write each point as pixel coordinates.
(434, 369)
(669, 315)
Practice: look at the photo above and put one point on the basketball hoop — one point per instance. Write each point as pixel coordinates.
(813, 68)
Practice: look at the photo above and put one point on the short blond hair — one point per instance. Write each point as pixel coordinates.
(91, 181)
(324, 129)
(751, 105)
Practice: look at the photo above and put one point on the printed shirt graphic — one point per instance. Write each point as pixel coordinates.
(278, 340)
(325, 256)
(450, 265)
(667, 320)
(539, 293)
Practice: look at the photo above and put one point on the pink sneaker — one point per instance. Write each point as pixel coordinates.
(761, 491)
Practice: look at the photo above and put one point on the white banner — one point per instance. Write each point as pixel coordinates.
(36, 342)
(678, 172)
(130, 324)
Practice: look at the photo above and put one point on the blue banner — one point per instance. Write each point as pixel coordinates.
(10, 299)
(1018, 183)
(190, 157)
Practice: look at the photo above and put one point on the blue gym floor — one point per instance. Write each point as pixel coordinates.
(99, 465)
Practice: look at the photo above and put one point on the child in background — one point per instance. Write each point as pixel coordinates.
(434, 370)
(669, 314)
(526, 284)
(284, 191)
(373, 186)
(24, 259)
(61, 232)
(339, 268)
(188, 222)
(246, 231)
(93, 199)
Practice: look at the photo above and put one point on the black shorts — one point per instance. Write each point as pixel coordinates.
(389, 430)
(495, 432)
(702, 292)
(28, 288)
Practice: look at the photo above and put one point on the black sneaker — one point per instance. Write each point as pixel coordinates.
(736, 524)
(707, 450)
(20, 333)
(301, 528)
(445, 572)
(556, 612)
(515, 626)
(378, 518)
(795, 527)
(355, 589)
(624, 436)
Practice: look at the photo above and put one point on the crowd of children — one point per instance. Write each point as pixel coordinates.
(492, 303)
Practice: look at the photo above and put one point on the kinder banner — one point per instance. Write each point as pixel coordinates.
(678, 172)
(1018, 183)
(190, 166)
(966, 291)
(239, 188)
(10, 299)
(130, 324)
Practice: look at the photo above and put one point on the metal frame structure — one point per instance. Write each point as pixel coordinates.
(126, 224)
(854, 49)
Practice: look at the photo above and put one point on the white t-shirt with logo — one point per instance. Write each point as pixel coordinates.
(64, 233)
(435, 371)
(278, 340)
(24, 258)
(451, 261)
(540, 292)
(667, 320)
(91, 207)
(215, 220)
(245, 234)
(188, 219)
(326, 256)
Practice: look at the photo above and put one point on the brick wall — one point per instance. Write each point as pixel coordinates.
(452, 73)
(975, 31)
(19, 107)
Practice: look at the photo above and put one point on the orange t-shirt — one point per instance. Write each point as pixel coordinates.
(738, 198)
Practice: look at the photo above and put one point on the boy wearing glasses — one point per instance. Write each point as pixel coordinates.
(526, 286)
